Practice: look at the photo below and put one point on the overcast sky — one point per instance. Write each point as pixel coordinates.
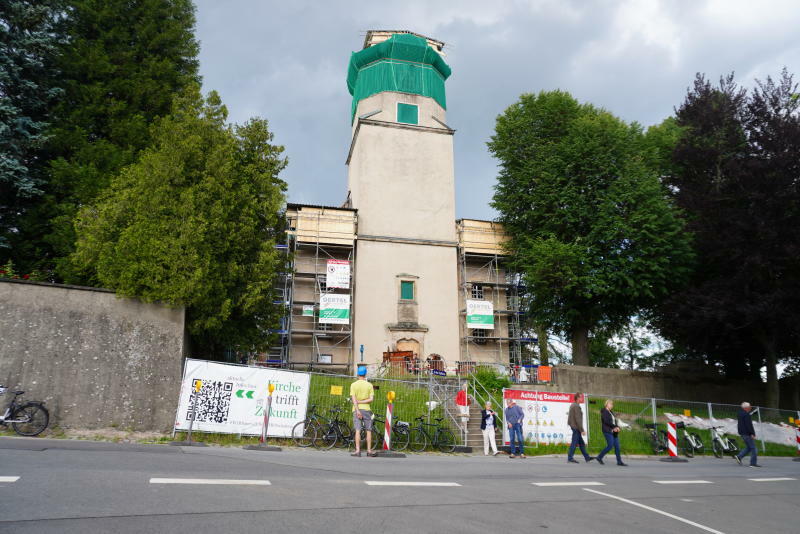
(286, 61)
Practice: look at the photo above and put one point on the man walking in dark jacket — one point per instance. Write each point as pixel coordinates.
(748, 434)
(575, 422)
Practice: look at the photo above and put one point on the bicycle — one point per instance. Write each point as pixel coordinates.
(305, 432)
(29, 419)
(658, 438)
(691, 441)
(722, 444)
(336, 432)
(400, 433)
(441, 438)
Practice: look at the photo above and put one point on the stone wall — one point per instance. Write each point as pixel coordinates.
(96, 360)
(687, 386)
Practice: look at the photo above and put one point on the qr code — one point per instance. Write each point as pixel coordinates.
(212, 403)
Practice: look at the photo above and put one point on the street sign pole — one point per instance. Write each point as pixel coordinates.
(198, 386)
(262, 446)
(387, 451)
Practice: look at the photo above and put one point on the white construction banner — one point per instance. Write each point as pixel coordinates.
(232, 399)
(334, 309)
(546, 416)
(338, 274)
(308, 311)
(480, 314)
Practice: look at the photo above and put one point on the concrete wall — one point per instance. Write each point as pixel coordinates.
(95, 359)
(662, 385)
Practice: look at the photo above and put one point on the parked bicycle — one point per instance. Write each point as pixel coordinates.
(28, 419)
(335, 432)
(691, 441)
(305, 432)
(658, 438)
(722, 444)
(401, 433)
(438, 436)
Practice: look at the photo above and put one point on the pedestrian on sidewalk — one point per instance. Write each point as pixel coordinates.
(462, 401)
(514, 418)
(611, 433)
(361, 394)
(488, 427)
(575, 422)
(748, 435)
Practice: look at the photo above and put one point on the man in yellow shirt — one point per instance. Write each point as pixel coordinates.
(361, 393)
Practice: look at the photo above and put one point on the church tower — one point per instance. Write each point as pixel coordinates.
(401, 182)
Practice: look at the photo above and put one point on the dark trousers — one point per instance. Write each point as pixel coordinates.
(612, 441)
(516, 432)
(750, 448)
(577, 441)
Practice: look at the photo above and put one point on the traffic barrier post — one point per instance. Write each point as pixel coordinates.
(262, 446)
(797, 438)
(198, 387)
(387, 451)
(672, 444)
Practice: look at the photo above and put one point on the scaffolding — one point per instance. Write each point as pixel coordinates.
(317, 234)
(484, 274)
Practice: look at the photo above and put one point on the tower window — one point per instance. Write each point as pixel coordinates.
(406, 290)
(479, 336)
(477, 291)
(407, 113)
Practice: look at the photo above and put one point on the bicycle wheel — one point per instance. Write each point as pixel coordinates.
(326, 436)
(400, 438)
(664, 438)
(304, 432)
(734, 447)
(417, 441)
(34, 419)
(688, 448)
(655, 443)
(445, 440)
(716, 448)
(698, 443)
(345, 433)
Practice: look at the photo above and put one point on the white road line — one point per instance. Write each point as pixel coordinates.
(547, 484)
(683, 482)
(212, 481)
(9, 479)
(776, 479)
(656, 510)
(401, 483)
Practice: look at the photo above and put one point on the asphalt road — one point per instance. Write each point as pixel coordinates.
(87, 487)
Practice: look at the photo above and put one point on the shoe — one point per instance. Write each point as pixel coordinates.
(522, 456)
(600, 461)
(573, 461)
(622, 464)
(589, 459)
(755, 465)
(372, 454)
(511, 456)
(739, 460)
(357, 454)
(496, 453)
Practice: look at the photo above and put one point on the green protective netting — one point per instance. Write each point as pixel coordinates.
(404, 63)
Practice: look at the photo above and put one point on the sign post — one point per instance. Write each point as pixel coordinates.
(198, 386)
(387, 451)
(797, 437)
(672, 444)
(262, 446)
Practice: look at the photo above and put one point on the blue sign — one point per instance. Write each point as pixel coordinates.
(437, 372)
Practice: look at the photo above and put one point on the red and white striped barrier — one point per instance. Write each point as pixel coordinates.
(387, 430)
(672, 439)
(797, 433)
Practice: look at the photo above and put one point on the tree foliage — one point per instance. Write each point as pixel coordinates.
(30, 34)
(735, 173)
(194, 222)
(120, 66)
(591, 226)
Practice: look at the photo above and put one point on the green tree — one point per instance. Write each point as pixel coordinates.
(120, 67)
(194, 222)
(592, 228)
(30, 34)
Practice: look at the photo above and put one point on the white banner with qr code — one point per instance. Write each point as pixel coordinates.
(232, 399)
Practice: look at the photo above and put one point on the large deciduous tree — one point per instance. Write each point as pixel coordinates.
(735, 173)
(194, 222)
(591, 226)
(30, 35)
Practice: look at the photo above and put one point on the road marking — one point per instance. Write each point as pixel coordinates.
(776, 479)
(547, 484)
(656, 510)
(683, 482)
(213, 481)
(400, 483)
(9, 479)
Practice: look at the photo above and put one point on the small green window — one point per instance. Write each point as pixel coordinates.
(407, 290)
(407, 113)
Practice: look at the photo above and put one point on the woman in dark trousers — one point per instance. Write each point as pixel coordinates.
(611, 432)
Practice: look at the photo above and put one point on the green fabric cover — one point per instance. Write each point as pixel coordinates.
(407, 113)
(403, 63)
